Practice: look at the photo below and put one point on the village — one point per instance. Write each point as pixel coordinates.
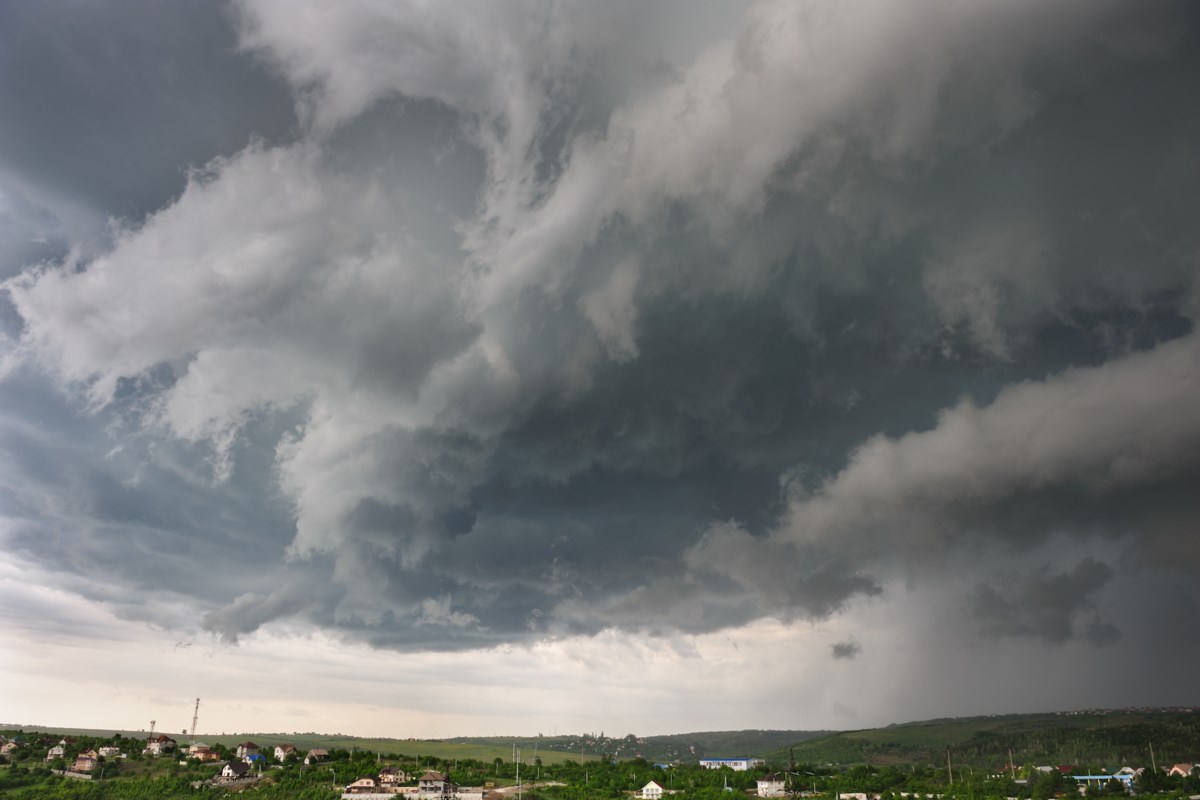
(363, 775)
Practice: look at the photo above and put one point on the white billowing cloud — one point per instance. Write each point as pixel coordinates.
(226, 265)
(795, 74)
(270, 279)
(273, 281)
(1122, 424)
(610, 308)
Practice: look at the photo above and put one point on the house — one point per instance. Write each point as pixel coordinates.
(1182, 770)
(435, 784)
(58, 751)
(86, 762)
(235, 770)
(282, 751)
(652, 791)
(246, 748)
(315, 755)
(255, 758)
(109, 751)
(738, 764)
(366, 785)
(203, 752)
(160, 744)
(8, 748)
(392, 776)
(771, 785)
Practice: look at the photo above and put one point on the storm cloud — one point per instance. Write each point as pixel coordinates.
(456, 327)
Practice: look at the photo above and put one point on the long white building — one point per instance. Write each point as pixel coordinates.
(740, 764)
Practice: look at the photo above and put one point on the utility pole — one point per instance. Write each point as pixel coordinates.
(949, 768)
(518, 776)
(1152, 765)
(1012, 768)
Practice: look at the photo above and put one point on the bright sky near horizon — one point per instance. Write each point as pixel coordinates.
(406, 369)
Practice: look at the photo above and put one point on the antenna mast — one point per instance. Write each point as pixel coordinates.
(195, 716)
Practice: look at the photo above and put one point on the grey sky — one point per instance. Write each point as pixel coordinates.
(460, 332)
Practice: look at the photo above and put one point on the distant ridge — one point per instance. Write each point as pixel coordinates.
(1094, 737)
(683, 747)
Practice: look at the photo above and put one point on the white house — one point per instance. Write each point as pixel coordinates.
(435, 784)
(109, 751)
(159, 744)
(652, 791)
(234, 770)
(392, 776)
(58, 751)
(246, 748)
(739, 764)
(771, 785)
(282, 751)
(315, 755)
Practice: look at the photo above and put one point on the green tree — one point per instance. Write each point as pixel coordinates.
(1048, 784)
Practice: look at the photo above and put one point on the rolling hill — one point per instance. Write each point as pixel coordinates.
(1102, 738)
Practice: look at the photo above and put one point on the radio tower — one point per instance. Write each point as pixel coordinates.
(195, 716)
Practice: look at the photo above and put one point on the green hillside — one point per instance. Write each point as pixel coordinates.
(1100, 738)
(682, 747)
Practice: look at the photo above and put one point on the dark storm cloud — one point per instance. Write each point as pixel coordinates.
(846, 650)
(522, 342)
(102, 109)
(1047, 605)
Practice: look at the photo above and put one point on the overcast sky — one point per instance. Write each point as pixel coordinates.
(430, 369)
